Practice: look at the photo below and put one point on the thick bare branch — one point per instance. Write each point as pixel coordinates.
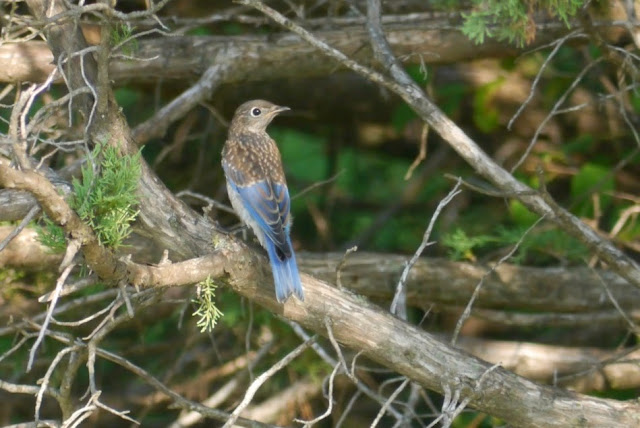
(582, 369)
(260, 57)
(430, 362)
(554, 291)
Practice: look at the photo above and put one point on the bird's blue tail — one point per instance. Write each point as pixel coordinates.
(285, 274)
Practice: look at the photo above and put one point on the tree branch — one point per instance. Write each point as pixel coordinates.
(257, 57)
(563, 295)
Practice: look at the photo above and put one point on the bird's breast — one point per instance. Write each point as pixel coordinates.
(256, 156)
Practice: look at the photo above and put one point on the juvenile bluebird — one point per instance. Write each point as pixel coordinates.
(258, 190)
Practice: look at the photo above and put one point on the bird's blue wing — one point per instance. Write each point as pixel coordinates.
(268, 204)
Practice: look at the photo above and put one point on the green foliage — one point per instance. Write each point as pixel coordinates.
(546, 246)
(450, 97)
(127, 97)
(159, 331)
(133, 104)
(105, 196)
(402, 116)
(231, 29)
(401, 233)
(371, 177)
(581, 144)
(520, 214)
(618, 394)
(233, 309)
(207, 311)
(308, 364)
(592, 179)
(359, 181)
(123, 34)
(105, 200)
(485, 115)
(461, 245)
(630, 232)
(199, 31)
(446, 5)
(511, 20)
(418, 72)
(635, 101)
(536, 249)
(14, 366)
(51, 235)
(297, 148)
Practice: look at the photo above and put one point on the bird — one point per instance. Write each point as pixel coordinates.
(258, 191)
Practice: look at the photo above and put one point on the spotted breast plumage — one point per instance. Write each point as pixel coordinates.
(258, 190)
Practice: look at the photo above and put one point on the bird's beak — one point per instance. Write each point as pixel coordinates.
(280, 109)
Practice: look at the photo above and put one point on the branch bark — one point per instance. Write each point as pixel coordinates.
(581, 369)
(439, 282)
(431, 363)
(256, 57)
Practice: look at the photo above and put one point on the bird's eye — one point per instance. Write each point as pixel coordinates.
(255, 112)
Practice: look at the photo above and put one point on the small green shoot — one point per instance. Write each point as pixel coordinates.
(207, 311)
(51, 235)
(122, 38)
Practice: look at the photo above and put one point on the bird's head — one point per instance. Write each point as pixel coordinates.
(255, 116)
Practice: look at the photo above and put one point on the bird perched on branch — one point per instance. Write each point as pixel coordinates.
(258, 190)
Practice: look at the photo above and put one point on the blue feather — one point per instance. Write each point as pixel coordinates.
(265, 207)
(285, 274)
(268, 205)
